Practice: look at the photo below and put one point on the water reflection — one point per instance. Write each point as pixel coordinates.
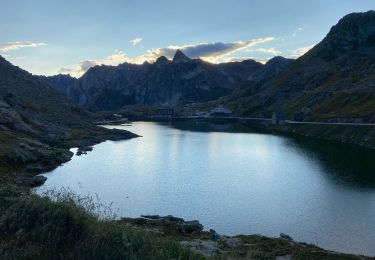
(343, 164)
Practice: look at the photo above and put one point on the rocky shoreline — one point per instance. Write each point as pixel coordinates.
(211, 244)
(23, 161)
(363, 136)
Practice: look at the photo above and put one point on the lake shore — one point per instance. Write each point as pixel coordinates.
(211, 244)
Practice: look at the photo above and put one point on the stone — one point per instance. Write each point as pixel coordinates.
(83, 150)
(285, 236)
(173, 218)
(37, 180)
(204, 247)
(189, 227)
(214, 235)
(151, 216)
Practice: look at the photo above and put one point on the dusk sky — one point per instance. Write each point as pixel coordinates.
(51, 37)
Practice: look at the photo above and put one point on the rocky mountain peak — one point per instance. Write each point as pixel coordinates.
(180, 57)
(354, 31)
(161, 60)
(3, 61)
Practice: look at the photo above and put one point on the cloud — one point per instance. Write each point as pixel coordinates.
(299, 29)
(271, 50)
(135, 41)
(301, 51)
(11, 46)
(212, 52)
(84, 66)
(237, 59)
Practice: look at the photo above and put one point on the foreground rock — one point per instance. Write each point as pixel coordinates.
(37, 181)
(285, 236)
(183, 227)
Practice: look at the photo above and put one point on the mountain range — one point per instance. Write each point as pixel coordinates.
(165, 82)
(335, 79)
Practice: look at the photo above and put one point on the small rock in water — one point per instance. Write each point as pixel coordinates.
(285, 236)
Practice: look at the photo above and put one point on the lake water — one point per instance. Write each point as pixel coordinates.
(234, 181)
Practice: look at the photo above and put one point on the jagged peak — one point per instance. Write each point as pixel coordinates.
(161, 60)
(179, 56)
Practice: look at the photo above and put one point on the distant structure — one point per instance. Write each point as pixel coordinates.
(220, 111)
(165, 112)
(201, 114)
(278, 118)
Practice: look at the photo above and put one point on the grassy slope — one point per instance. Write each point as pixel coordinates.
(38, 228)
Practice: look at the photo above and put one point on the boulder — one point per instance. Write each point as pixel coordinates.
(37, 180)
(168, 218)
(173, 218)
(190, 227)
(151, 216)
(285, 236)
(214, 235)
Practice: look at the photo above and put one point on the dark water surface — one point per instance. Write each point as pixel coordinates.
(234, 181)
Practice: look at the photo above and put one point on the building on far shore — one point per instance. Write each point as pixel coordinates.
(278, 118)
(220, 111)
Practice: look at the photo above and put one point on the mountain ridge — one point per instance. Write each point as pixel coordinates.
(165, 82)
(327, 82)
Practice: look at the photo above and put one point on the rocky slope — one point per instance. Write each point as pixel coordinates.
(38, 125)
(335, 79)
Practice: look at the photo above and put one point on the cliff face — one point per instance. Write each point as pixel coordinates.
(185, 80)
(59, 82)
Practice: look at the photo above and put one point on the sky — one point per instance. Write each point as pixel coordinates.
(48, 37)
